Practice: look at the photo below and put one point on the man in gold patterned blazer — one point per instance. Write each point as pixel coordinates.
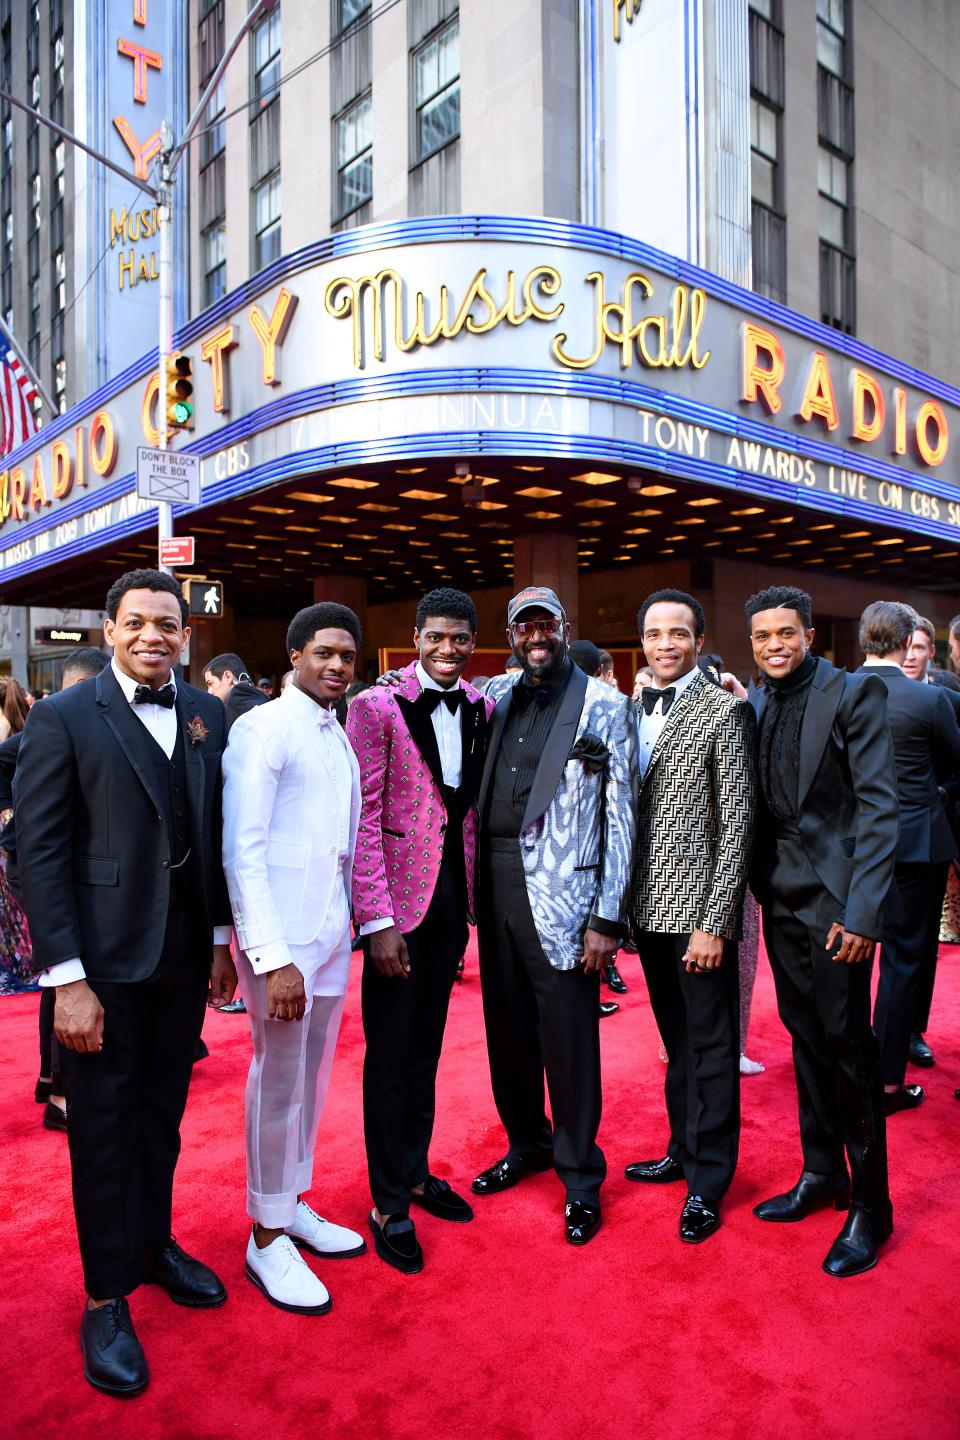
(695, 822)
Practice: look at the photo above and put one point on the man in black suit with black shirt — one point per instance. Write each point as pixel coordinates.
(823, 869)
(226, 677)
(117, 797)
(926, 747)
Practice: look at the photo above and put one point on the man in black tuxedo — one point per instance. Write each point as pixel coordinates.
(117, 797)
(926, 748)
(226, 677)
(823, 869)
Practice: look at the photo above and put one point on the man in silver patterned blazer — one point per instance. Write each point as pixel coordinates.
(695, 823)
(557, 815)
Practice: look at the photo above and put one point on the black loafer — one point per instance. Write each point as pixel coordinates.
(53, 1117)
(811, 1192)
(655, 1172)
(508, 1172)
(855, 1248)
(582, 1221)
(186, 1281)
(908, 1097)
(608, 1007)
(438, 1199)
(396, 1243)
(698, 1219)
(614, 979)
(920, 1052)
(42, 1091)
(113, 1358)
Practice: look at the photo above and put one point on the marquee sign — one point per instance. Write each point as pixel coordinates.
(546, 339)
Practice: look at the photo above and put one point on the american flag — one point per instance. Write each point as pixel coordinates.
(17, 394)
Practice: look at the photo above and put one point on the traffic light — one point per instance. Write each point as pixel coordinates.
(204, 597)
(179, 393)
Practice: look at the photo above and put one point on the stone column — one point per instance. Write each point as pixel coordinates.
(349, 590)
(549, 557)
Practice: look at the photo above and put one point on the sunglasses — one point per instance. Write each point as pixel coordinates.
(551, 626)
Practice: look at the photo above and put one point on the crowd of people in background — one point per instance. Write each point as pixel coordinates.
(170, 844)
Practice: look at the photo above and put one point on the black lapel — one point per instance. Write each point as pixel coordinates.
(556, 751)
(196, 775)
(420, 724)
(496, 723)
(129, 733)
(473, 727)
(823, 702)
(757, 696)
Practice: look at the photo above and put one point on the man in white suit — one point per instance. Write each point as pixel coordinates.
(291, 809)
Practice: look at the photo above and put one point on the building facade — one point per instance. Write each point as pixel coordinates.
(607, 295)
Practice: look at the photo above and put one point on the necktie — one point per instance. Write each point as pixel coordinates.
(430, 699)
(165, 696)
(650, 695)
(526, 695)
(326, 715)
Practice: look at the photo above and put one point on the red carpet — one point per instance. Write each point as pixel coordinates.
(509, 1333)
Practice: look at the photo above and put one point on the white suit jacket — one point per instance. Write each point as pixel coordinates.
(282, 839)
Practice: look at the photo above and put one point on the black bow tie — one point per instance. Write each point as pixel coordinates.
(650, 695)
(430, 699)
(165, 696)
(526, 695)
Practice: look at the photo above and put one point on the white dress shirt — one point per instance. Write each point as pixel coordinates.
(161, 722)
(651, 725)
(446, 727)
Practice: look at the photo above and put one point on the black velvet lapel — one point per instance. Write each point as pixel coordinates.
(420, 724)
(556, 751)
(128, 732)
(823, 702)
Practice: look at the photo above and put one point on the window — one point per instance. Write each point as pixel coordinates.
(354, 144)
(266, 215)
(346, 11)
(764, 151)
(835, 166)
(768, 224)
(436, 70)
(213, 135)
(266, 60)
(214, 247)
(831, 28)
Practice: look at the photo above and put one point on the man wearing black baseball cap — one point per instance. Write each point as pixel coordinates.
(558, 822)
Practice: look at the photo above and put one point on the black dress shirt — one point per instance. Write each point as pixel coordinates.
(525, 733)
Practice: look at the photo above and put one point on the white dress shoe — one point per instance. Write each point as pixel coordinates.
(280, 1272)
(322, 1237)
(750, 1067)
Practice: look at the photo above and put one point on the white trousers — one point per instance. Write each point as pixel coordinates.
(290, 1071)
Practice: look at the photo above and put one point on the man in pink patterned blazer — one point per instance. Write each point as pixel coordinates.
(421, 748)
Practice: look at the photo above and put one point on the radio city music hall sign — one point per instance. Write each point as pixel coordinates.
(505, 308)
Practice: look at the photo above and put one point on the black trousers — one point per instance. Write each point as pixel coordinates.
(826, 1008)
(403, 1024)
(931, 949)
(903, 958)
(698, 1017)
(51, 1053)
(126, 1104)
(538, 1019)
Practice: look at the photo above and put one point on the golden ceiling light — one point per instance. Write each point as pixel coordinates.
(800, 542)
(829, 526)
(272, 559)
(421, 495)
(489, 505)
(454, 535)
(301, 529)
(412, 470)
(705, 500)
(537, 492)
(846, 565)
(347, 482)
(789, 519)
(470, 479)
(676, 537)
(310, 497)
(355, 558)
(299, 552)
(623, 557)
(596, 504)
(329, 544)
(944, 555)
(533, 469)
(644, 514)
(748, 549)
(767, 535)
(393, 526)
(270, 539)
(376, 509)
(638, 530)
(236, 545)
(543, 515)
(596, 477)
(863, 555)
(834, 549)
(911, 549)
(337, 520)
(692, 520)
(728, 529)
(196, 529)
(365, 538)
(784, 555)
(856, 535)
(894, 560)
(653, 490)
(374, 551)
(893, 540)
(750, 510)
(668, 551)
(439, 515)
(420, 544)
(711, 544)
(463, 549)
(814, 560)
(589, 524)
(237, 520)
(270, 510)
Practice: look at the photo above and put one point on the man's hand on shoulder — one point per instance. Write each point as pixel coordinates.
(388, 951)
(78, 1018)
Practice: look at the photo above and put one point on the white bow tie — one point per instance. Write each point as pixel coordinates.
(326, 715)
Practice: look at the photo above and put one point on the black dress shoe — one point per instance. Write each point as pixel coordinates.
(186, 1281)
(508, 1172)
(582, 1221)
(42, 1091)
(698, 1219)
(655, 1172)
(53, 1117)
(920, 1052)
(908, 1097)
(113, 1358)
(438, 1199)
(608, 1007)
(855, 1248)
(811, 1192)
(396, 1242)
(201, 1052)
(614, 979)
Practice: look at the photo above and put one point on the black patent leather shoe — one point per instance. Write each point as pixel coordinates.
(614, 979)
(920, 1052)
(608, 1007)
(186, 1281)
(908, 1097)
(811, 1192)
(582, 1221)
(855, 1248)
(53, 1117)
(698, 1219)
(655, 1172)
(113, 1358)
(508, 1172)
(438, 1199)
(396, 1242)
